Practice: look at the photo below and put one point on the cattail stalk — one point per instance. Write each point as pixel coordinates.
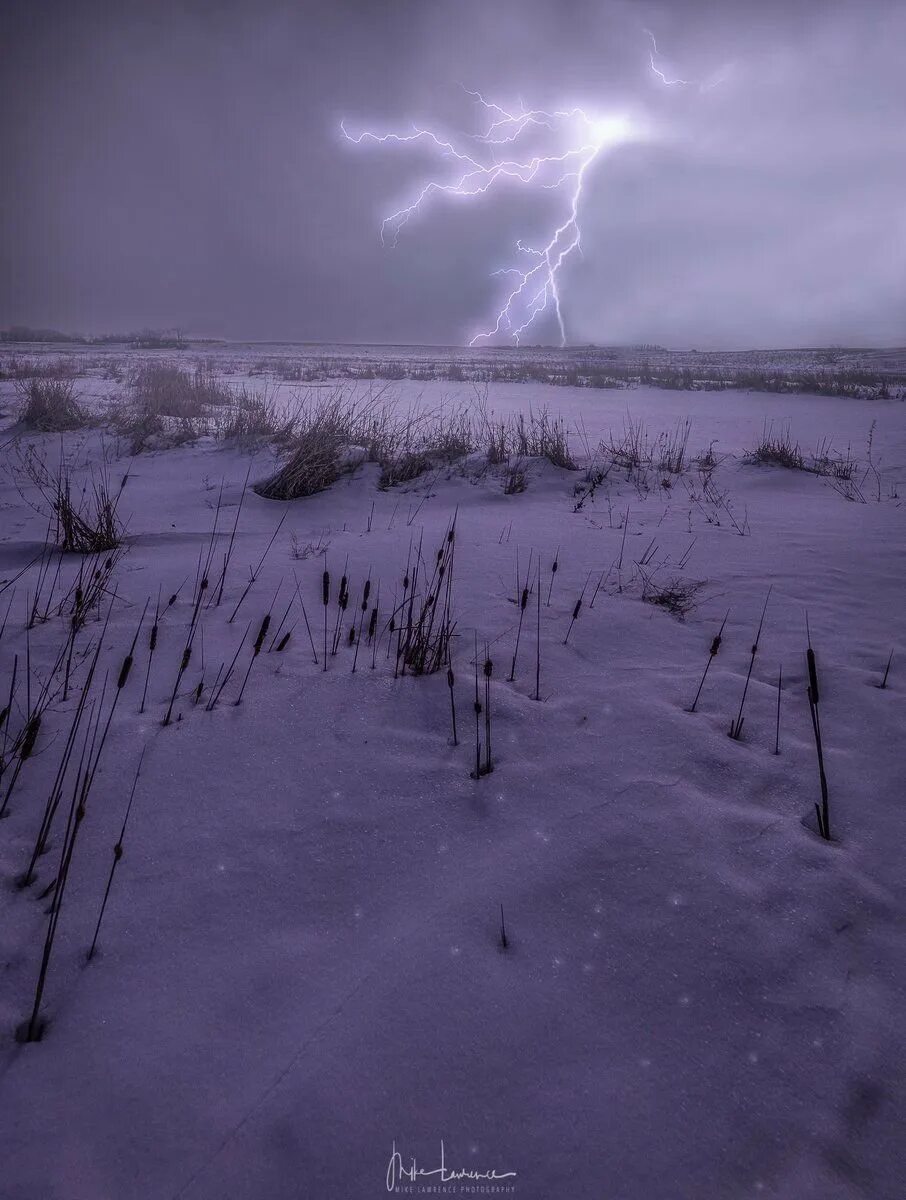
(215, 690)
(117, 855)
(488, 669)
(715, 646)
(883, 683)
(736, 726)
(555, 566)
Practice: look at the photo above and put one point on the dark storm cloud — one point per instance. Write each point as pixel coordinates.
(180, 164)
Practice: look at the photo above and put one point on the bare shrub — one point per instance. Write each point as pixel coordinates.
(50, 405)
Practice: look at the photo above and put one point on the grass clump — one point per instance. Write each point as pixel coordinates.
(85, 517)
(167, 406)
(776, 450)
(50, 405)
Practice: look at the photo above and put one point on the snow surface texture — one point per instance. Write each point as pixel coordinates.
(300, 964)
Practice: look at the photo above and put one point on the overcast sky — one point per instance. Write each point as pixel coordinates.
(169, 164)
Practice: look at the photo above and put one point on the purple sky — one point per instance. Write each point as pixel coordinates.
(180, 164)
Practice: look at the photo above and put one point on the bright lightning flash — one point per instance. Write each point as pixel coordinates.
(532, 148)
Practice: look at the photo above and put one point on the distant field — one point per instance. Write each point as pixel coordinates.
(829, 371)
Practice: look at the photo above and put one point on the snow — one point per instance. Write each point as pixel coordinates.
(300, 963)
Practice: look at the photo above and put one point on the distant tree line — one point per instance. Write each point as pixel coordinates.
(146, 339)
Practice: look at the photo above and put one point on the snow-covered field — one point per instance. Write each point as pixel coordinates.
(300, 966)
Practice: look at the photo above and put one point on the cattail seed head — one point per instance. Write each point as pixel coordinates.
(812, 674)
(325, 587)
(118, 851)
(715, 645)
(152, 640)
(262, 633)
(488, 668)
(171, 601)
(352, 635)
(366, 593)
(576, 609)
(30, 736)
(523, 600)
(405, 581)
(124, 671)
(281, 645)
(186, 655)
(372, 624)
(450, 677)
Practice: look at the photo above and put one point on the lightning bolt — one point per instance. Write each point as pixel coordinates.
(506, 151)
(655, 69)
(548, 150)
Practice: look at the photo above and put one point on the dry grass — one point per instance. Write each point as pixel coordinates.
(50, 405)
(85, 517)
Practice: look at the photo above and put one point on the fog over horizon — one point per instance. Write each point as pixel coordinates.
(182, 165)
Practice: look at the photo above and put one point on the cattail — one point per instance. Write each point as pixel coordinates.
(883, 683)
(281, 645)
(715, 646)
(372, 624)
(601, 581)
(117, 856)
(523, 604)
(822, 811)
(325, 599)
(262, 633)
(554, 568)
(311, 639)
(538, 641)
(736, 726)
(576, 610)
(257, 570)
(152, 646)
(279, 628)
(812, 674)
(30, 736)
(488, 668)
(256, 650)
(215, 690)
(183, 665)
(779, 689)
(477, 708)
(450, 683)
(229, 550)
(503, 938)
